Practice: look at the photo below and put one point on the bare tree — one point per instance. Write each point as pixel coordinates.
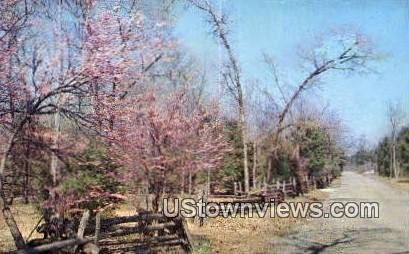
(395, 118)
(261, 111)
(349, 53)
(13, 19)
(231, 75)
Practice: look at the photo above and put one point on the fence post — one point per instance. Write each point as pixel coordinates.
(265, 188)
(208, 181)
(190, 183)
(278, 184)
(284, 186)
(204, 200)
(83, 224)
(314, 182)
(235, 188)
(146, 196)
(97, 228)
(240, 189)
(81, 228)
(307, 180)
(183, 232)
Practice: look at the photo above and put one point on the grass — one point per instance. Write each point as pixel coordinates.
(238, 235)
(245, 235)
(201, 245)
(26, 217)
(218, 235)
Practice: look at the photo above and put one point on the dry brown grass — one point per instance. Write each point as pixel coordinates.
(26, 217)
(219, 235)
(245, 235)
(238, 235)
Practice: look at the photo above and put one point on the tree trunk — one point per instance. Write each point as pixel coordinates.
(299, 168)
(391, 169)
(269, 169)
(57, 116)
(395, 168)
(12, 225)
(245, 150)
(183, 182)
(8, 216)
(208, 182)
(155, 201)
(190, 183)
(235, 79)
(54, 159)
(254, 163)
(26, 172)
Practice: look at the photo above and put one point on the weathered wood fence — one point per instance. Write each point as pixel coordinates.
(287, 187)
(276, 192)
(151, 230)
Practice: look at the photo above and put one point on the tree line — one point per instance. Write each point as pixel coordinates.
(98, 98)
(389, 157)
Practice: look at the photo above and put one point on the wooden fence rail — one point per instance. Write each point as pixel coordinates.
(169, 232)
(277, 192)
(56, 245)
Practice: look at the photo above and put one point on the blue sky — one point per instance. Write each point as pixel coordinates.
(279, 27)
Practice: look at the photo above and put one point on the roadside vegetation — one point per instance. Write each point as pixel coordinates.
(390, 157)
(102, 108)
(219, 235)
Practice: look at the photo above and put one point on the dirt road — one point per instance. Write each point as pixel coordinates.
(387, 234)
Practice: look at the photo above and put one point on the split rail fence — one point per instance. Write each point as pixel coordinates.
(114, 235)
(154, 230)
(276, 192)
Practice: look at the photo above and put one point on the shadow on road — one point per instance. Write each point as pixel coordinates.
(319, 242)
